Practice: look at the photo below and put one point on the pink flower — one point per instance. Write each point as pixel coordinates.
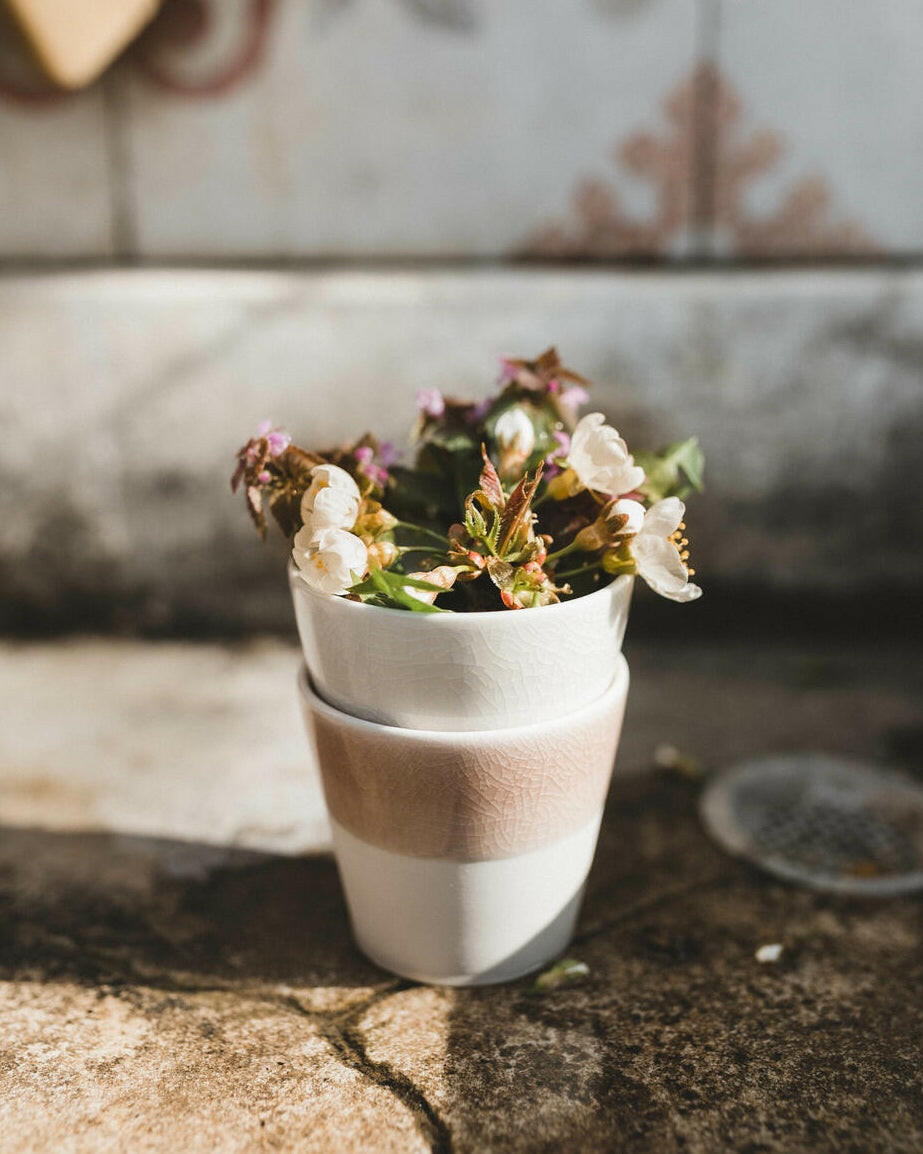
(430, 402)
(365, 455)
(575, 396)
(387, 454)
(554, 386)
(563, 442)
(479, 411)
(263, 477)
(278, 440)
(508, 371)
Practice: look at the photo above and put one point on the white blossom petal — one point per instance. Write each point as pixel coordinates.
(515, 432)
(660, 565)
(303, 542)
(633, 510)
(333, 508)
(326, 477)
(443, 575)
(334, 561)
(662, 519)
(601, 459)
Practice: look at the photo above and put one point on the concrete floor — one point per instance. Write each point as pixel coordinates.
(176, 971)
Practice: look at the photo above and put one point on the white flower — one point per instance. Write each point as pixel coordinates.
(330, 561)
(633, 510)
(601, 459)
(656, 552)
(515, 433)
(331, 501)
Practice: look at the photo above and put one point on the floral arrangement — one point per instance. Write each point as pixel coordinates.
(511, 502)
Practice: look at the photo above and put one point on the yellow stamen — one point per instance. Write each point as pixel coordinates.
(679, 542)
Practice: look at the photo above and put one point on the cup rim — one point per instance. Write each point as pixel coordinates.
(478, 617)
(312, 699)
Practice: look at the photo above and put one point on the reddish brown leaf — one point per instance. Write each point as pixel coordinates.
(489, 482)
(518, 509)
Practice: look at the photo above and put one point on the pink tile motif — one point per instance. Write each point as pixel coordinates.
(178, 52)
(699, 171)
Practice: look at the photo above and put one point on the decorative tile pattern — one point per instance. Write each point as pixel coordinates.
(205, 48)
(703, 120)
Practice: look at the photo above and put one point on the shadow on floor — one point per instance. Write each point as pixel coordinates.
(100, 908)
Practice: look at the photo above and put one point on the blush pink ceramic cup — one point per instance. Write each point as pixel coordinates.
(463, 855)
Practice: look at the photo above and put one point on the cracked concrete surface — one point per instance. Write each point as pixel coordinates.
(160, 993)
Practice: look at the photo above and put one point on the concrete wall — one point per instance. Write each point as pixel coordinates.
(127, 393)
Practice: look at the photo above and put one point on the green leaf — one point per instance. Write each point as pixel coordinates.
(566, 972)
(389, 587)
(676, 471)
(475, 525)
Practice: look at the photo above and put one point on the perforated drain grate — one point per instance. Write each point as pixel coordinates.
(825, 822)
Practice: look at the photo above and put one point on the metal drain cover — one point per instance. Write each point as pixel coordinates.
(822, 821)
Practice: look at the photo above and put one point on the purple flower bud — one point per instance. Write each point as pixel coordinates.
(387, 454)
(480, 410)
(430, 402)
(364, 454)
(563, 442)
(263, 477)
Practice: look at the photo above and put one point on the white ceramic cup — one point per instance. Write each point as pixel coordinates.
(463, 856)
(455, 671)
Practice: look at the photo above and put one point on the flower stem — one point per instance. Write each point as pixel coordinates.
(402, 549)
(592, 568)
(444, 541)
(571, 548)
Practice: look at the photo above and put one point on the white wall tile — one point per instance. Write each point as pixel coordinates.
(841, 88)
(55, 196)
(369, 129)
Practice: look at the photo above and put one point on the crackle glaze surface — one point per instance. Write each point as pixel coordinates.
(461, 671)
(467, 796)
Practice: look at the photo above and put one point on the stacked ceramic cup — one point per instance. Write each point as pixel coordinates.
(465, 760)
